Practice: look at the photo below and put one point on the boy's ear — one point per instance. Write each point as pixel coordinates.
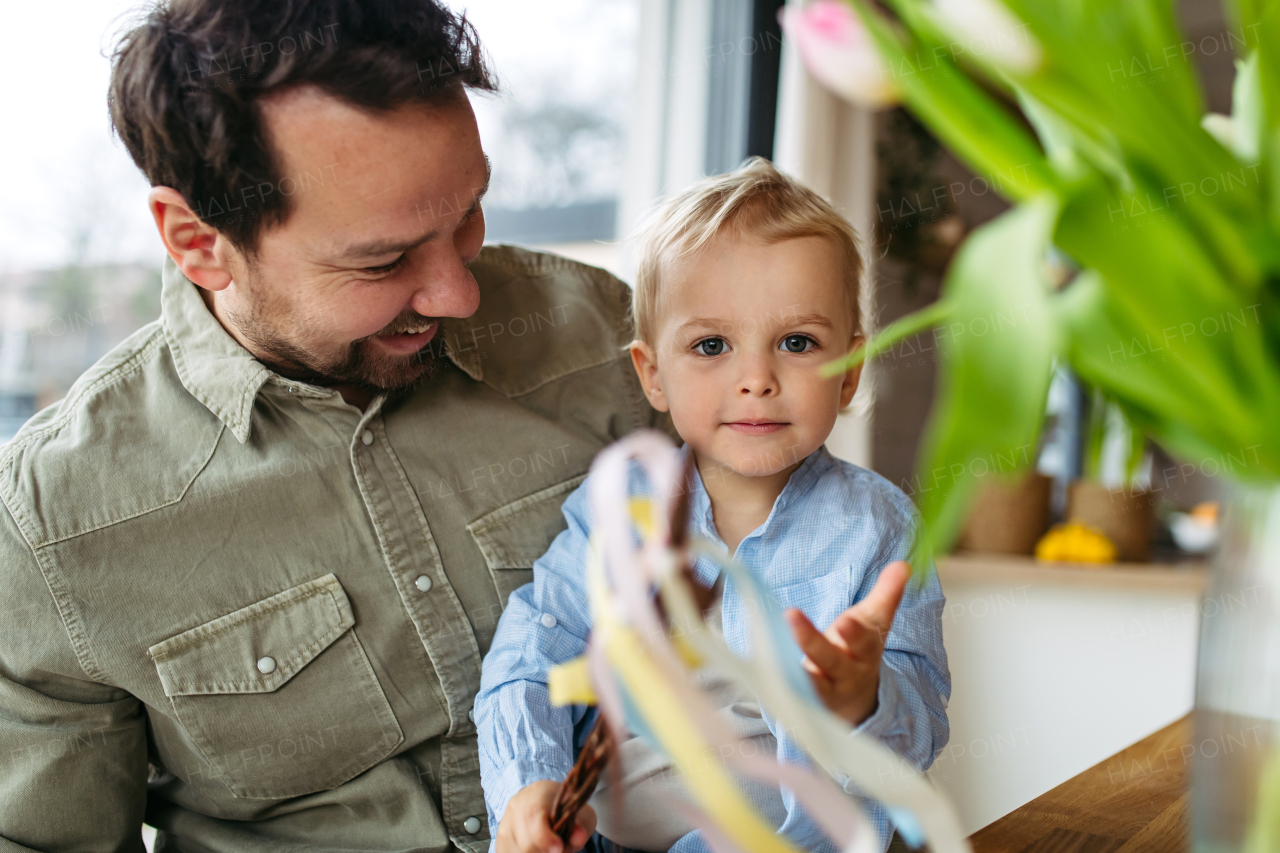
(849, 385)
(646, 365)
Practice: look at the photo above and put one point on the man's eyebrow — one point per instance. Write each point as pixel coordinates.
(484, 188)
(377, 248)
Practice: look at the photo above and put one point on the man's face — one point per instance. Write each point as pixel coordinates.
(350, 288)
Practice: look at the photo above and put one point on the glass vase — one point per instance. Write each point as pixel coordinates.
(1235, 751)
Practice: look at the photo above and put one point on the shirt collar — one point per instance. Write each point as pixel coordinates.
(211, 364)
(467, 359)
(222, 374)
(800, 483)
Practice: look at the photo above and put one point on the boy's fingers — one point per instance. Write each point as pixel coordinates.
(586, 825)
(818, 648)
(520, 835)
(882, 602)
(540, 836)
(853, 634)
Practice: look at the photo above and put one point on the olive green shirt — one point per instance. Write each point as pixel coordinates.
(252, 614)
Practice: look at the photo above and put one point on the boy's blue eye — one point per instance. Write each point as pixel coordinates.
(710, 346)
(797, 343)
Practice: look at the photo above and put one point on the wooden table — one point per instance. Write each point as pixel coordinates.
(1134, 801)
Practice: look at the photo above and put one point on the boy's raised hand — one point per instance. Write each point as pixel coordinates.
(526, 825)
(844, 660)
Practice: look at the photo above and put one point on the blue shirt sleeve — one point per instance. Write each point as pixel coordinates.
(522, 737)
(915, 681)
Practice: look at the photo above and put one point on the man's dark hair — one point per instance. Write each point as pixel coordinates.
(185, 84)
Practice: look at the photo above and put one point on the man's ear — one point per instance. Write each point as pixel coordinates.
(849, 384)
(646, 365)
(195, 246)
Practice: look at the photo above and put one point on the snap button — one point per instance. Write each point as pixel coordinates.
(471, 715)
(547, 620)
(471, 825)
(266, 665)
(423, 583)
(367, 438)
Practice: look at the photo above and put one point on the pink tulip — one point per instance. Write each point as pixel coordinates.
(839, 53)
(986, 28)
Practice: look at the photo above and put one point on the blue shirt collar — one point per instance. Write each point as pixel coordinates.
(800, 483)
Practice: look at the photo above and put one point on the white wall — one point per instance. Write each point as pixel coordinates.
(1052, 678)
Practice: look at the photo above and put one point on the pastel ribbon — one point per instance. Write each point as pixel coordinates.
(641, 674)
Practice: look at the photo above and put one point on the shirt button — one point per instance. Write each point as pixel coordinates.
(266, 665)
(367, 438)
(471, 715)
(423, 583)
(471, 825)
(547, 620)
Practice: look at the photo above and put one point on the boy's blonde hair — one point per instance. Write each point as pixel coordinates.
(755, 199)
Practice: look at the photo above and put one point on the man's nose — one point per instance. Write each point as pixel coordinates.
(447, 288)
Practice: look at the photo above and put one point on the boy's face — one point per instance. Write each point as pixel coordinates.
(743, 330)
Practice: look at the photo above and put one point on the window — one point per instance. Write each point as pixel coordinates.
(606, 106)
(556, 133)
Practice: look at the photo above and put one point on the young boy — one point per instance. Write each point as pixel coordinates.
(746, 284)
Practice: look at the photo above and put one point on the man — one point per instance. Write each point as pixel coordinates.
(252, 561)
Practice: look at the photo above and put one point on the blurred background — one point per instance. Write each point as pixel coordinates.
(79, 255)
(606, 106)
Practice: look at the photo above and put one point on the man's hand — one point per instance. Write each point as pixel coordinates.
(526, 824)
(844, 661)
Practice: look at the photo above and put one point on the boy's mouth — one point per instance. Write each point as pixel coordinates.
(755, 426)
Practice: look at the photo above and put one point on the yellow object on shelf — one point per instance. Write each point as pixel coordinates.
(1074, 542)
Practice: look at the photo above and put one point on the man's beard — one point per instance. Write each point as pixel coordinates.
(359, 364)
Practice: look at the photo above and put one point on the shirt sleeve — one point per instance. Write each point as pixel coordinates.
(915, 685)
(523, 738)
(74, 751)
(915, 682)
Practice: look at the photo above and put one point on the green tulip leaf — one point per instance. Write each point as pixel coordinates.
(996, 353)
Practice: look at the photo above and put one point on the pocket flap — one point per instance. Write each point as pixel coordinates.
(223, 656)
(516, 535)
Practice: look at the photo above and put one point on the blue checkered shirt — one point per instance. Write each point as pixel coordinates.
(831, 531)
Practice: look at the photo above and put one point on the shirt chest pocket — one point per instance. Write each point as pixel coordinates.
(821, 598)
(279, 696)
(512, 537)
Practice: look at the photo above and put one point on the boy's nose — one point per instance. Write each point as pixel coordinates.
(758, 381)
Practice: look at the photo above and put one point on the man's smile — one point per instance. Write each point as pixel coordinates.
(409, 341)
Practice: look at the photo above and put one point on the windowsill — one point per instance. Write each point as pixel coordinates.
(1188, 576)
(596, 253)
